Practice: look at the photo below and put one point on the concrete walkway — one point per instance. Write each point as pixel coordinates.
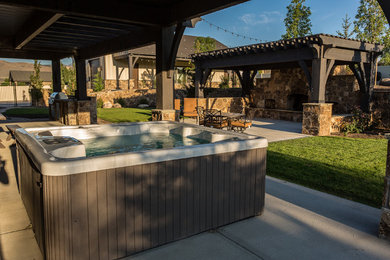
(276, 130)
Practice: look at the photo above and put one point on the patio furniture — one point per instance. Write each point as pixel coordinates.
(189, 109)
(240, 124)
(201, 115)
(177, 104)
(215, 118)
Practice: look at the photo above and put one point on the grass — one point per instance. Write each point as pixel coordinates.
(28, 112)
(347, 167)
(117, 115)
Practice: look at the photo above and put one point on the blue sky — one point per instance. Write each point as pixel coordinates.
(263, 19)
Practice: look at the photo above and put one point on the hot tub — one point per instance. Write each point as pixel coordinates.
(109, 191)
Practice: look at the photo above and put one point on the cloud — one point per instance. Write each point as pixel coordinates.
(262, 18)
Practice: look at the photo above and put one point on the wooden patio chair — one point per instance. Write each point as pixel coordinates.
(177, 104)
(241, 124)
(189, 109)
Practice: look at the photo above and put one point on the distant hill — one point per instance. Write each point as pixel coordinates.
(6, 66)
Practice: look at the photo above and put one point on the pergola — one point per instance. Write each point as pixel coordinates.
(317, 55)
(52, 30)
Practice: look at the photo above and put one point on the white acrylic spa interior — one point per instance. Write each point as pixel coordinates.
(63, 153)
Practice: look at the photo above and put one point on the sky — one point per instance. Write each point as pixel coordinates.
(263, 19)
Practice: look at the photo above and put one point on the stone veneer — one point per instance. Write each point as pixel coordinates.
(278, 114)
(384, 226)
(165, 115)
(317, 119)
(75, 112)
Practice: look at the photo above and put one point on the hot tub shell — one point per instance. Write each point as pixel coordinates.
(85, 208)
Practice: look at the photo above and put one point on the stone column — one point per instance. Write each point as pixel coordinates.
(317, 119)
(384, 226)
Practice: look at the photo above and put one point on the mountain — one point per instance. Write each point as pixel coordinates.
(6, 66)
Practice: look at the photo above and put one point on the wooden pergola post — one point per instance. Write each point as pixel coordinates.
(167, 44)
(56, 74)
(81, 79)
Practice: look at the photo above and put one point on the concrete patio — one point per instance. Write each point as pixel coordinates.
(298, 223)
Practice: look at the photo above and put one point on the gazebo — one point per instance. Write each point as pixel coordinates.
(317, 55)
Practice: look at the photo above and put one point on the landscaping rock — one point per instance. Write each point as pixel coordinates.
(117, 105)
(107, 105)
(2, 117)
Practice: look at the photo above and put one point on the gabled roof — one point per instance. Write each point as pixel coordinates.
(186, 49)
(24, 76)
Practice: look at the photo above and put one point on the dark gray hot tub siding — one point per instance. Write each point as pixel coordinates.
(118, 212)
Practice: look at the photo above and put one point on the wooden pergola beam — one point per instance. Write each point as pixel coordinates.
(34, 26)
(135, 39)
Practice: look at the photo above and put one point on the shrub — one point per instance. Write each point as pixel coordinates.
(143, 101)
(121, 102)
(99, 103)
(358, 123)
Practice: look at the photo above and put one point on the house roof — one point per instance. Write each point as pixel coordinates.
(307, 41)
(24, 76)
(186, 49)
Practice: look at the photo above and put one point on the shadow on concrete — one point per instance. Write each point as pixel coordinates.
(279, 125)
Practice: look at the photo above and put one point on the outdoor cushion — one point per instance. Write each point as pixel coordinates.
(241, 124)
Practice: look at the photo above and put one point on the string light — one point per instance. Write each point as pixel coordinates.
(233, 33)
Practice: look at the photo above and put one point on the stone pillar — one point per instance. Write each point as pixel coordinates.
(384, 226)
(165, 115)
(317, 119)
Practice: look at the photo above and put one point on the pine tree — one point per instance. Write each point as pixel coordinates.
(371, 26)
(297, 20)
(346, 25)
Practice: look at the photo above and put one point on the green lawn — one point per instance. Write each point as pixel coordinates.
(117, 115)
(28, 112)
(346, 167)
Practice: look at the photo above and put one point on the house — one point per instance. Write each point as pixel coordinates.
(21, 77)
(115, 72)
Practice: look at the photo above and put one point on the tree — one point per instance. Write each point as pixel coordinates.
(297, 20)
(68, 79)
(371, 26)
(203, 44)
(36, 84)
(98, 84)
(346, 25)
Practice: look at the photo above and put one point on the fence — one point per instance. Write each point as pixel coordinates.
(15, 95)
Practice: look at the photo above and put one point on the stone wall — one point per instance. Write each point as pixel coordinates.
(118, 84)
(287, 89)
(235, 105)
(381, 106)
(343, 92)
(283, 90)
(131, 98)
